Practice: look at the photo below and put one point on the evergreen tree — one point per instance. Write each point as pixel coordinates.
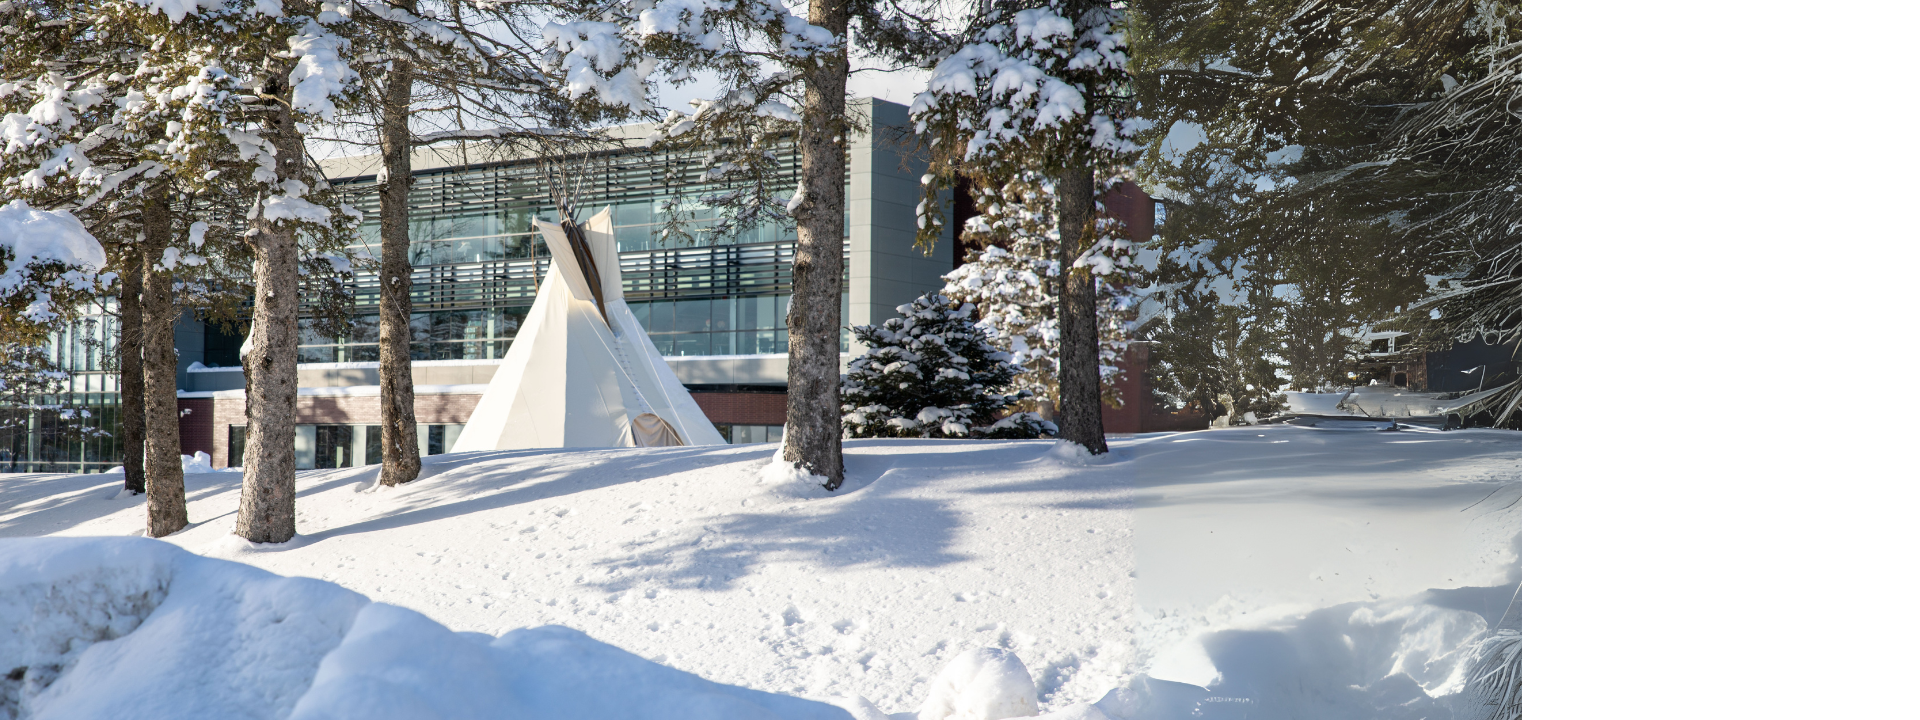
(1216, 356)
(1041, 86)
(186, 101)
(1360, 162)
(50, 268)
(931, 373)
(1014, 281)
(770, 60)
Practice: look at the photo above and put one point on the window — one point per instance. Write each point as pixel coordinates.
(236, 445)
(743, 434)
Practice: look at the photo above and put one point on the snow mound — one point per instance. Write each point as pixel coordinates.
(1074, 455)
(786, 480)
(88, 620)
(982, 684)
(1403, 658)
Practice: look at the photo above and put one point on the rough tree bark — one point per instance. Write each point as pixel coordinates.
(813, 319)
(1079, 405)
(266, 493)
(399, 446)
(166, 484)
(133, 376)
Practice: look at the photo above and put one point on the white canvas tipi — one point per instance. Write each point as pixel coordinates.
(582, 375)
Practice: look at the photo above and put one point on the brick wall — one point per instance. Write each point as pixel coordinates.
(226, 412)
(743, 408)
(196, 426)
(365, 409)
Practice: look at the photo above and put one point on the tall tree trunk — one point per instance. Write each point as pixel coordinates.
(166, 484)
(813, 319)
(1079, 329)
(399, 447)
(133, 376)
(266, 493)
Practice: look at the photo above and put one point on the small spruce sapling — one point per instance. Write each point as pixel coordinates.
(931, 373)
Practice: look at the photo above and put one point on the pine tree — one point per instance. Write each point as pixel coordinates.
(931, 373)
(769, 61)
(50, 267)
(468, 59)
(1342, 156)
(1014, 281)
(1041, 86)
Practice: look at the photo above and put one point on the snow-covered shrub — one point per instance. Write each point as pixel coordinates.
(932, 373)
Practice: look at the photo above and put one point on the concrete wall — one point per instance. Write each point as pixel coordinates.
(425, 372)
(885, 269)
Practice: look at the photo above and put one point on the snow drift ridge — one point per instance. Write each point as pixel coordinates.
(126, 627)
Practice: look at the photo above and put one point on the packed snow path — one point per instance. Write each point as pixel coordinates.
(1088, 569)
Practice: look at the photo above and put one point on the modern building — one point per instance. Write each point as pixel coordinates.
(715, 306)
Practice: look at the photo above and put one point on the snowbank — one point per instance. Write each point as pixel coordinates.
(125, 627)
(982, 684)
(1191, 557)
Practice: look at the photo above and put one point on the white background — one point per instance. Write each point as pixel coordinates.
(1719, 210)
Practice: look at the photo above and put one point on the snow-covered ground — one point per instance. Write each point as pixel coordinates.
(1286, 570)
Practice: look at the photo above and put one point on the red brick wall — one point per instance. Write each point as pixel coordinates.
(743, 408)
(365, 409)
(226, 412)
(196, 426)
(1133, 206)
(1130, 417)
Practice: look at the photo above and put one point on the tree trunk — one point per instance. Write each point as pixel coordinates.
(1079, 329)
(813, 319)
(166, 485)
(133, 377)
(266, 493)
(399, 448)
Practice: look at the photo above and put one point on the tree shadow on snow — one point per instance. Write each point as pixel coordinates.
(879, 525)
(453, 485)
(49, 503)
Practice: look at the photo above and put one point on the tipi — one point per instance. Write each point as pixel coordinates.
(581, 371)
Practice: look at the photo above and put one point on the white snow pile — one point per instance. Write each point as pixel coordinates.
(1250, 572)
(126, 627)
(982, 684)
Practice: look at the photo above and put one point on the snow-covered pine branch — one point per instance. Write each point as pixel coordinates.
(48, 264)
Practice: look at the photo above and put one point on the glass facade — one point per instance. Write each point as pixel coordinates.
(47, 440)
(477, 266)
(477, 262)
